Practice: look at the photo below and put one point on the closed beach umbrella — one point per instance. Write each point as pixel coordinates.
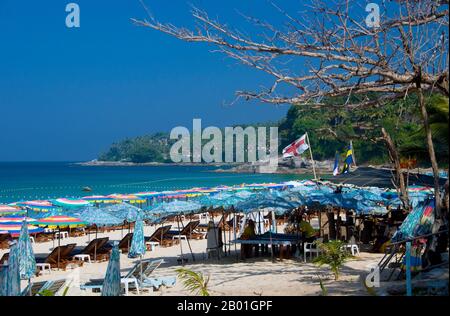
(3, 279)
(6, 210)
(13, 277)
(27, 261)
(111, 283)
(137, 247)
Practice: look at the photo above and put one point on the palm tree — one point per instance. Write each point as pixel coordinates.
(332, 254)
(194, 282)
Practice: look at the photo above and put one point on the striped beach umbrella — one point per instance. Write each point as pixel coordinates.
(137, 247)
(14, 228)
(111, 283)
(131, 198)
(59, 221)
(13, 277)
(27, 261)
(70, 203)
(38, 205)
(15, 219)
(6, 210)
(99, 199)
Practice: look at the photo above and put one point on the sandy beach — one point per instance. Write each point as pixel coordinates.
(228, 276)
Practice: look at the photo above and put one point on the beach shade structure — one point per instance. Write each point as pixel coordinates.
(175, 207)
(96, 216)
(224, 199)
(99, 199)
(14, 228)
(7, 210)
(123, 211)
(58, 222)
(38, 205)
(111, 283)
(130, 198)
(70, 204)
(27, 261)
(13, 275)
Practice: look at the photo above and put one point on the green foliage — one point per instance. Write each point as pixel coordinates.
(194, 282)
(149, 148)
(414, 144)
(332, 254)
(46, 293)
(323, 288)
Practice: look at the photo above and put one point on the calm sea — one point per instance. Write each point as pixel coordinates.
(46, 180)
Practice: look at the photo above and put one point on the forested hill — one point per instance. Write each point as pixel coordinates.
(330, 129)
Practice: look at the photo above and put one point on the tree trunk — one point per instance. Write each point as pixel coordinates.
(431, 152)
(396, 160)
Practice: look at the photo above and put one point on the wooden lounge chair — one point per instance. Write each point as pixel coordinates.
(188, 231)
(43, 237)
(95, 249)
(4, 241)
(53, 287)
(59, 257)
(223, 224)
(160, 235)
(4, 258)
(124, 244)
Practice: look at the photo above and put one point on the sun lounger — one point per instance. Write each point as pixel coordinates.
(140, 270)
(188, 231)
(53, 287)
(95, 249)
(4, 241)
(160, 235)
(4, 258)
(59, 257)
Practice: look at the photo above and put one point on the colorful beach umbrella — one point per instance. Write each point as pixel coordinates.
(98, 217)
(6, 210)
(13, 276)
(59, 221)
(111, 283)
(99, 199)
(137, 247)
(123, 211)
(14, 228)
(176, 207)
(15, 219)
(27, 261)
(127, 197)
(70, 203)
(38, 205)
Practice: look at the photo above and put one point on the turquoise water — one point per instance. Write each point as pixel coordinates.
(46, 180)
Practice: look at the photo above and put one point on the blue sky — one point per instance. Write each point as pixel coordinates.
(66, 94)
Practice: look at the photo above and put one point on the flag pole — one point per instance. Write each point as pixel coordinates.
(312, 159)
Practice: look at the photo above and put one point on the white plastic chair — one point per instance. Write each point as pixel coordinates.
(311, 248)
